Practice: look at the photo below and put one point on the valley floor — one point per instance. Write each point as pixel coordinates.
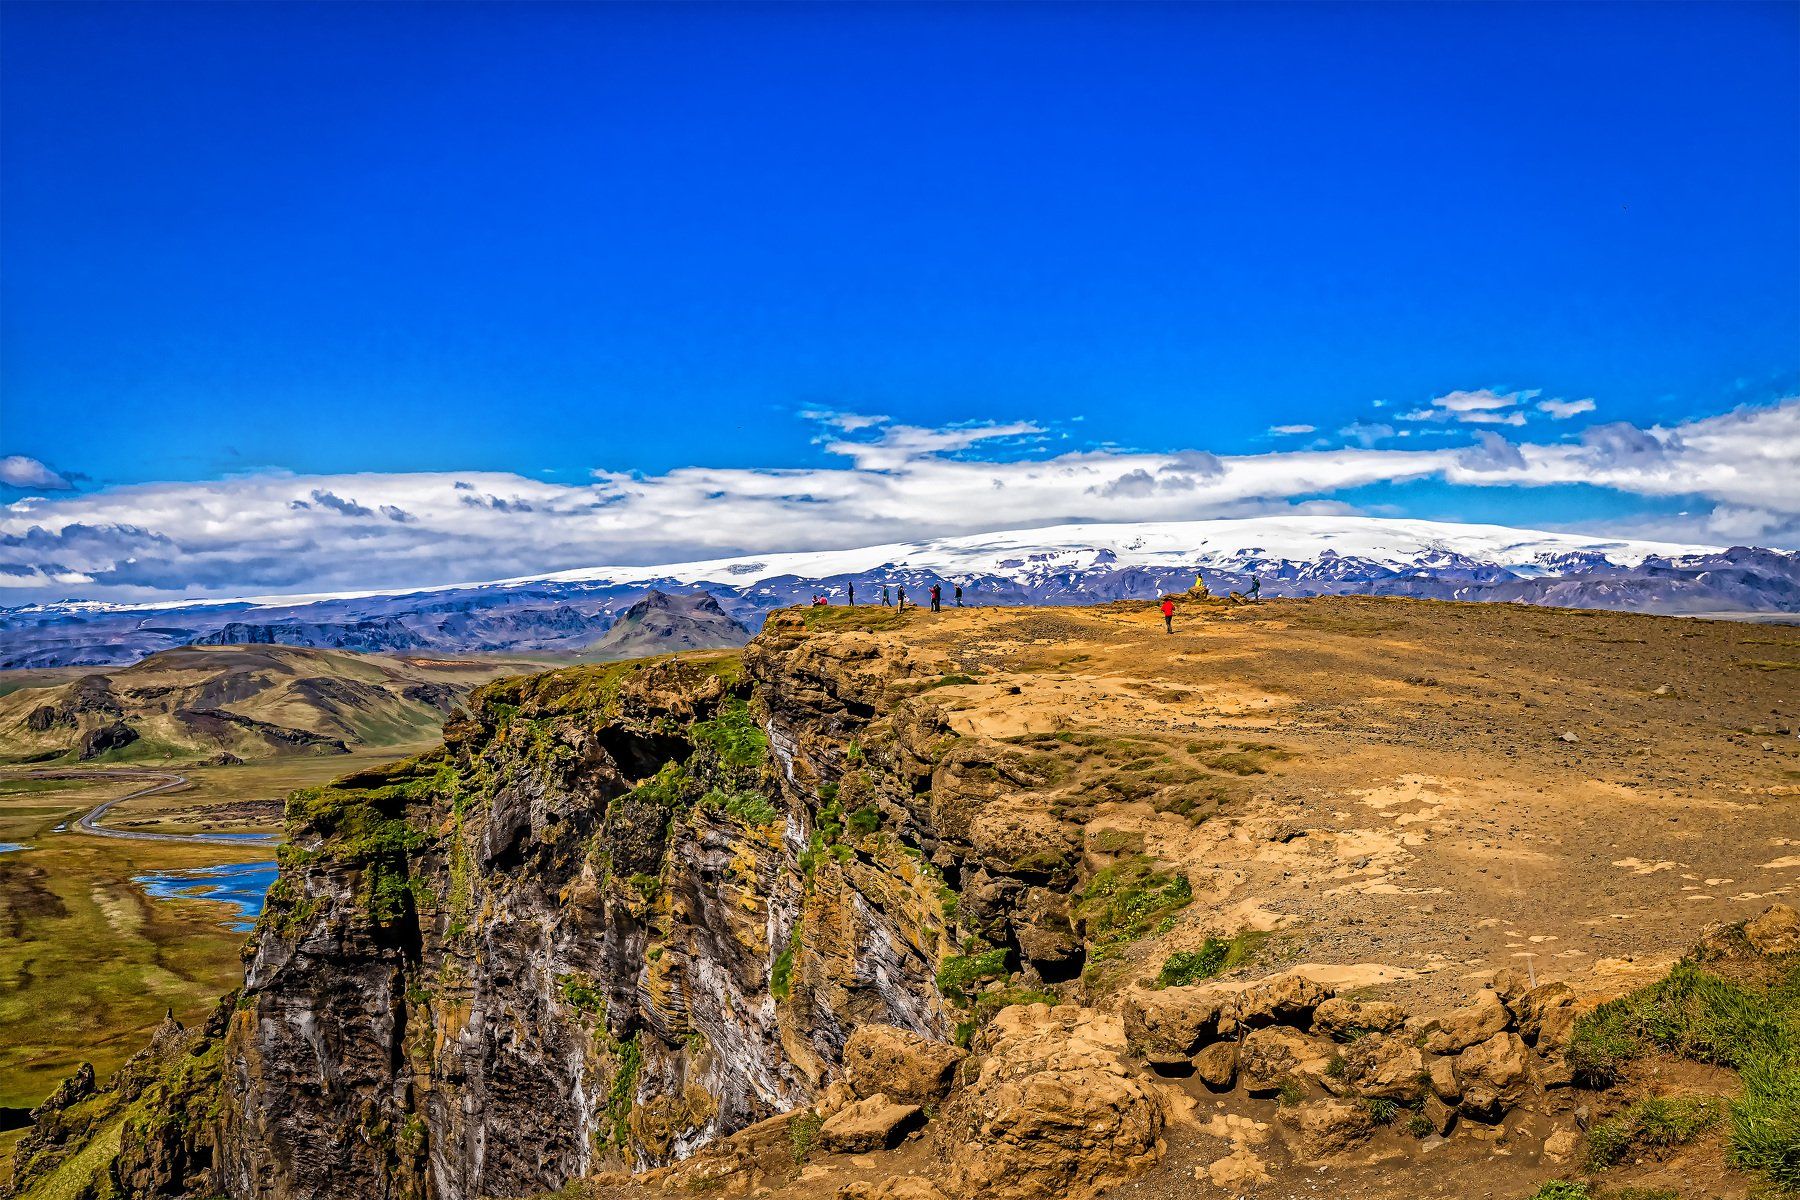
(89, 963)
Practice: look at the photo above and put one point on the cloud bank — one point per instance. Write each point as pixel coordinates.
(275, 533)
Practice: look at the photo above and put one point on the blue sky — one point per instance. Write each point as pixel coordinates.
(545, 241)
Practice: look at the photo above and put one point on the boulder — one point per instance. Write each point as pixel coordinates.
(1438, 1115)
(1456, 1031)
(1322, 1128)
(876, 1123)
(908, 1068)
(1271, 1056)
(1216, 1066)
(1381, 1066)
(1441, 1075)
(1776, 931)
(1053, 1111)
(1547, 1015)
(1174, 1022)
(1046, 935)
(1342, 1019)
(1495, 1074)
(1286, 999)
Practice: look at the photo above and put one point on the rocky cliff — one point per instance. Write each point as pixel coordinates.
(687, 917)
(624, 909)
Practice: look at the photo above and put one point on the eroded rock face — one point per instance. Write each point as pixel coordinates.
(1053, 1112)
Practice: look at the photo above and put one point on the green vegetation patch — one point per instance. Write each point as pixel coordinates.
(752, 808)
(733, 735)
(1656, 1123)
(1753, 1029)
(1128, 900)
(1214, 957)
(861, 616)
(960, 973)
(621, 1096)
(579, 993)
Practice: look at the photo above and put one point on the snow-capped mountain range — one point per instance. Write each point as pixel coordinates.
(1065, 564)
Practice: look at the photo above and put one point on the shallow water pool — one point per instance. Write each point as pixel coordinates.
(242, 885)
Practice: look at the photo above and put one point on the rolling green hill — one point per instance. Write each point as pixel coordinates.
(236, 702)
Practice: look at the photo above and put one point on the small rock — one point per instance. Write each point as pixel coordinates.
(1561, 1145)
(1236, 1171)
(1568, 735)
(900, 1187)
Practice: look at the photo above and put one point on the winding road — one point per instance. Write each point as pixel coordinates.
(158, 782)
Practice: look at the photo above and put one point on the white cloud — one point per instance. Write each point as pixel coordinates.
(1489, 406)
(1562, 410)
(21, 471)
(273, 532)
(1288, 430)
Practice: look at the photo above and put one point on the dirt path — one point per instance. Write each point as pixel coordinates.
(157, 782)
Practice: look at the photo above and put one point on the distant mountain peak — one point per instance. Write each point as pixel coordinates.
(665, 622)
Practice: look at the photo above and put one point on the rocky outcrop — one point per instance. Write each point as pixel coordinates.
(1055, 1111)
(627, 910)
(95, 742)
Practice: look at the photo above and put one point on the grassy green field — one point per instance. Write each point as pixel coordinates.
(88, 963)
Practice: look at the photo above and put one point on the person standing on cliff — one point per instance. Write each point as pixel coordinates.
(887, 597)
(959, 595)
(937, 598)
(902, 592)
(1168, 612)
(852, 588)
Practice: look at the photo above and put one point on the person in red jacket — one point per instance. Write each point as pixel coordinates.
(1168, 612)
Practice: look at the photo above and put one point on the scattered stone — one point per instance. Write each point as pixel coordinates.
(876, 1123)
(1562, 1145)
(1568, 735)
(1237, 1170)
(910, 1069)
(900, 1187)
(1439, 1115)
(1442, 1078)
